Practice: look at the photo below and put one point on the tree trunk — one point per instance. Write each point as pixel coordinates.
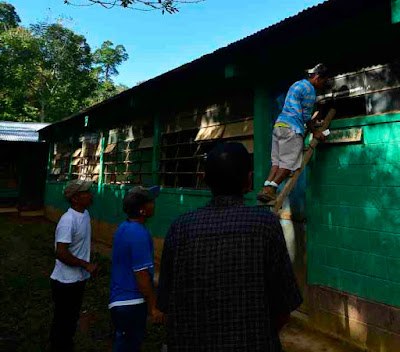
(42, 111)
(106, 73)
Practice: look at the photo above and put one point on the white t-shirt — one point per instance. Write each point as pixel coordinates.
(73, 228)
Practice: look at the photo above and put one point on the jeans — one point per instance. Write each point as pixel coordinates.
(130, 326)
(67, 305)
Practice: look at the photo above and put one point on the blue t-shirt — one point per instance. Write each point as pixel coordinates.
(299, 105)
(132, 251)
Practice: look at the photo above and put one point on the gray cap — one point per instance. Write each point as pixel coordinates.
(319, 69)
(76, 186)
(138, 196)
(144, 195)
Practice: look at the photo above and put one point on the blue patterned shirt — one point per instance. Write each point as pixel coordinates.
(299, 105)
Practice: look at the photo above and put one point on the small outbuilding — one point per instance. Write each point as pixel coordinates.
(23, 161)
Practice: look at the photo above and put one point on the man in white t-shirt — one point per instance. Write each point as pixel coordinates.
(73, 267)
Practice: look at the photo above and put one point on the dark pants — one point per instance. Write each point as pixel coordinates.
(130, 326)
(67, 305)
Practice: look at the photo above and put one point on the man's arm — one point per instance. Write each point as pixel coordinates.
(64, 255)
(311, 125)
(308, 102)
(145, 286)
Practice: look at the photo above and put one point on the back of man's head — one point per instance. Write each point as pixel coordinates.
(227, 169)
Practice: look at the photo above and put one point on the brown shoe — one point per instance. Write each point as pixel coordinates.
(267, 194)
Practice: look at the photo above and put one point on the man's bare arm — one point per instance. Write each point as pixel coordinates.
(64, 255)
(145, 286)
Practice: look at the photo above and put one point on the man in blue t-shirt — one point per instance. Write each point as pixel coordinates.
(132, 272)
(289, 131)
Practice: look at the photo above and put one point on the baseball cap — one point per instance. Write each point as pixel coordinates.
(137, 196)
(319, 69)
(76, 186)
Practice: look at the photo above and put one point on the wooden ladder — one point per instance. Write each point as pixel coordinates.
(290, 183)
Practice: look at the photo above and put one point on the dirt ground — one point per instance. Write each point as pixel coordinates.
(26, 261)
(297, 338)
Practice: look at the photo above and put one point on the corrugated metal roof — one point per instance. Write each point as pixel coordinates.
(336, 10)
(20, 131)
(184, 66)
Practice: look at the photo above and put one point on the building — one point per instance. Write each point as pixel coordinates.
(341, 223)
(23, 161)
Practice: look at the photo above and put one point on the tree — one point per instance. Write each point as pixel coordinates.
(47, 72)
(8, 17)
(20, 58)
(108, 59)
(105, 91)
(64, 79)
(169, 6)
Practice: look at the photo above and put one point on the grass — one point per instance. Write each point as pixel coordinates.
(26, 262)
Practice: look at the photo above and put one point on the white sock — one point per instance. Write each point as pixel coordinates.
(273, 184)
(267, 183)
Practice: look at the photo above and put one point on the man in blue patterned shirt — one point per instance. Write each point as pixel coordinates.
(289, 131)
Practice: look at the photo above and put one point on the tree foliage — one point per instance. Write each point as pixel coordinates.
(165, 6)
(8, 17)
(105, 91)
(48, 72)
(20, 59)
(64, 79)
(108, 59)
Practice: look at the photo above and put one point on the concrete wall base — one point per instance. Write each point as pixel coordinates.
(369, 325)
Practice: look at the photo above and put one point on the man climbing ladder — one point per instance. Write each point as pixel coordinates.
(289, 131)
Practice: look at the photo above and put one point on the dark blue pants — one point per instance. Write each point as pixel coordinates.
(130, 326)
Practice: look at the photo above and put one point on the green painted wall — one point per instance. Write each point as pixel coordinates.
(107, 203)
(395, 11)
(263, 119)
(353, 212)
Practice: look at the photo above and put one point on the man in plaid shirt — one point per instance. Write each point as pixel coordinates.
(226, 281)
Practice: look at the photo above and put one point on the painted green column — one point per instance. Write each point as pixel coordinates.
(103, 141)
(263, 119)
(395, 11)
(156, 149)
(71, 158)
(50, 160)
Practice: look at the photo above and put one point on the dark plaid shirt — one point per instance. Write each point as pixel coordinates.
(225, 277)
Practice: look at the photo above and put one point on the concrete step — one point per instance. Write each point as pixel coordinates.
(8, 210)
(39, 212)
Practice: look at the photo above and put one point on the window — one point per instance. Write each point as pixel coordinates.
(369, 91)
(128, 157)
(60, 162)
(183, 152)
(191, 133)
(85, 163)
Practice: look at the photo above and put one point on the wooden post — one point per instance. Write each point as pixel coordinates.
(307, 156)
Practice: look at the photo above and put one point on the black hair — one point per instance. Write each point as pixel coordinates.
(132, 203)
(227, 169)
